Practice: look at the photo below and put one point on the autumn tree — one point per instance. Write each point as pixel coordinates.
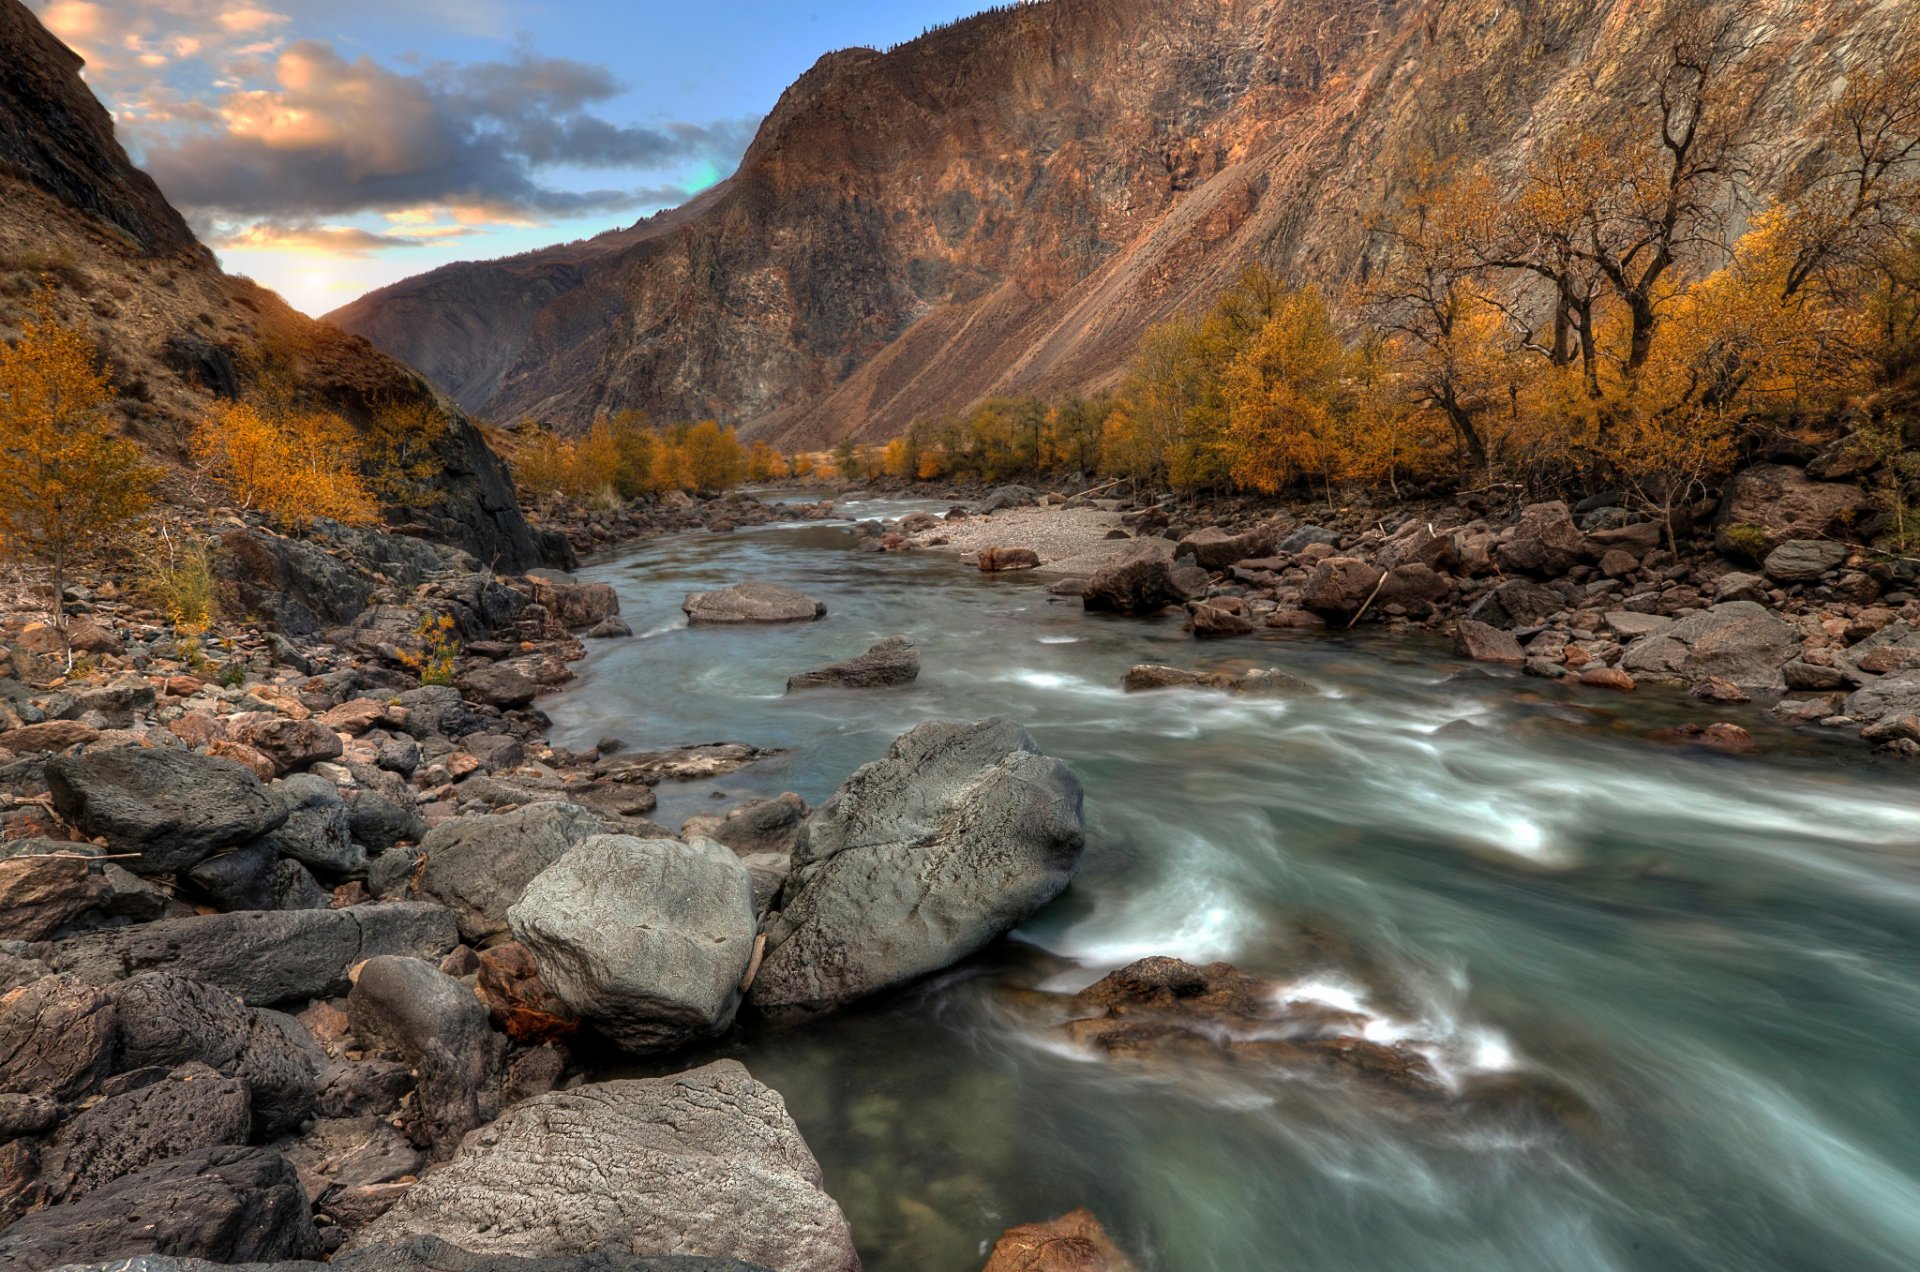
(294, 464)
(67, 482)
(1290, 398)
(714, 458)
(401, 449)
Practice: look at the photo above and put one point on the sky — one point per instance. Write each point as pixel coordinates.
(329, 147)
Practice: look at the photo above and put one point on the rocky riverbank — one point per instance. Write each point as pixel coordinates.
(1771, 603)
(308, 959)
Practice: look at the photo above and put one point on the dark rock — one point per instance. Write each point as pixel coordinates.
(919, 860)
(1545, 541)
(577, 1171)
(172, 807)
(1339, 587)
(291, 744)
(767, 825)
(500, 685)
(1295, 541)
(244, 878)
(1768, 504)
(574, 605)
(1139, 580)
(22, 1114)
(645, 939)
(227, 1204)
(1516, 603)
(41, 894)
(1215, 549)
(478, 866)
(893, 661)
(297, 587)
(1484, 643)
(264, 958)
(410, 1006)
(377, 823)
(57, 1037)
(190, 1108)
(1735, 640)
(753, 603)
(437, 711)
(1803, 560)
(1222, 616)
(1009, 496)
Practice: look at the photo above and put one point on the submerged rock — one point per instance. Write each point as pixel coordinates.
(1075, 1242)
(919, 860)
(753, 603)
(707, 1161)
(893, 661)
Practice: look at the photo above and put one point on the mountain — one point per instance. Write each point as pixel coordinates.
(176, 330)
(1005, 204)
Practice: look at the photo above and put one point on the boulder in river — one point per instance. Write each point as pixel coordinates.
(919, 860)
(1136, 580)
(171, 807)
(753, 603)
(1075, 1242)
(1483, 642)
(707, 1161)
(644, 938)
(893, 661)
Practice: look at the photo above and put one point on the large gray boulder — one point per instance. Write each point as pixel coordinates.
(262, 957)
(703, 1162)
(1887, 697)
(1769, 504)
(753, 603)
(645, 938)
(919, 860)
(478, 866)
(1740, 641)
(893, 661)
(226, 1204)
(170, 806)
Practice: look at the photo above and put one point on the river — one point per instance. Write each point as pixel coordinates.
(1712, 962)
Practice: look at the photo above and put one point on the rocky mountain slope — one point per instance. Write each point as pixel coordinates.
(1005, 204)
(178, 331)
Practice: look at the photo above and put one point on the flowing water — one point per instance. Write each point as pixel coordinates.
(1696, 976)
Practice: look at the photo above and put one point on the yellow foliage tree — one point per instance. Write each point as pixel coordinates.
(401, 448)
(292, 464)
(1290, 399)
(65, 479)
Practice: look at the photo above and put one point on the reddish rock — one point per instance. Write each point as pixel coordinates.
(1483, 642)
(292, 745)
(522, 1005)
(355, 717)
(40, 894)
(258, 762)
(1617, 563)
(197, 728)
(1606, 678)
(48, 735)
(1221, 616)
(1075, 1242)
(1002, 560)
(1339, 587)
(1717, 689)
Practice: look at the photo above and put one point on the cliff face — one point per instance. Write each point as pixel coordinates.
(1005, 205)
(175, 329)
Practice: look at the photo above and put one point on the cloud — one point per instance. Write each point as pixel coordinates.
(331, 240)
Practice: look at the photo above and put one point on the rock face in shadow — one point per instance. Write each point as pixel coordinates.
(919, 860)
(703, 1162)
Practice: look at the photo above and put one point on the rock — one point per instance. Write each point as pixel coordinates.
(1339, 587)
(1222, 616)
(893, 661)
(57, 1038)
(1516, 603)
(767, 825)
(1629, 625)
(172, 807)
(264, 958)
(41, 894)
(192, 1107)
(226, 1204)
(48, 735)
(609, 629)
(1893, 695)
(1768, 504)
(1215, 549)
(377, 823)
(1148, 676)
(706, 1160)
(430, 1254)
(1616, 563)
(1740, 587)
(1802, 675)
(1734, 640)
(168, 1021)
(1137, 580)
(1545, 541)
(1484, 643)
(291, 744)
(1413, 585)
(1299, 539)
(644, 938)
(436, 1023)
(1009, 496)
(522, 1006)
(1003, 560)
(27, 1115)
(244, 878)
(499, 685)
(1191, 582)
(1075, 1242)
(317, 833)
(1803, 560)
(753, 603)
(296, 586)
(575, 605)
(478, 866)
(1715, 689)
(919, 860)
(1600, 677)
(339, 1156)
(436, 711)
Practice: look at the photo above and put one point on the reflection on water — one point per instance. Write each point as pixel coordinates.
(1682, 989)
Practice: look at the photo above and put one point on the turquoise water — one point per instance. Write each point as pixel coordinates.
(1676, 994)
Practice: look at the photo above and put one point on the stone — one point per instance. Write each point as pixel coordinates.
(1802, 675)
(22, 1114)
(172, 807)
(244, 878)
(1297, 540)
(1004, 560)
(262, 957)
(1516, 603)
(226, 1204)
(48, 735)
(1215, 549)
(191, 1107)
(1629, 625)
(1075, 1242)
(499, 685)
(919, 860)
(707, 1160)
(1545, 542)
(767, 825)
(1339, 588)
(430, 1254)
(1601, 677)
(509, 984)
(168, 1021)
(1414, 585)
(1420, 545)
(1716, 689)
(1222, 616)
(1485, 643)
(1803, 560)
(893, 661)
(435, 711)
(410, 1006)
(478, 866)
(1737, 641)
(316, 833)
(1768, 504)
(575, 605)
(378, 823)
(57, 1038)
(753, 603)
(646, 939)
(291, 744)
(40, 894)
(1893, 695)
(1617, 563)
(1740, 587)
(1138, 579)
